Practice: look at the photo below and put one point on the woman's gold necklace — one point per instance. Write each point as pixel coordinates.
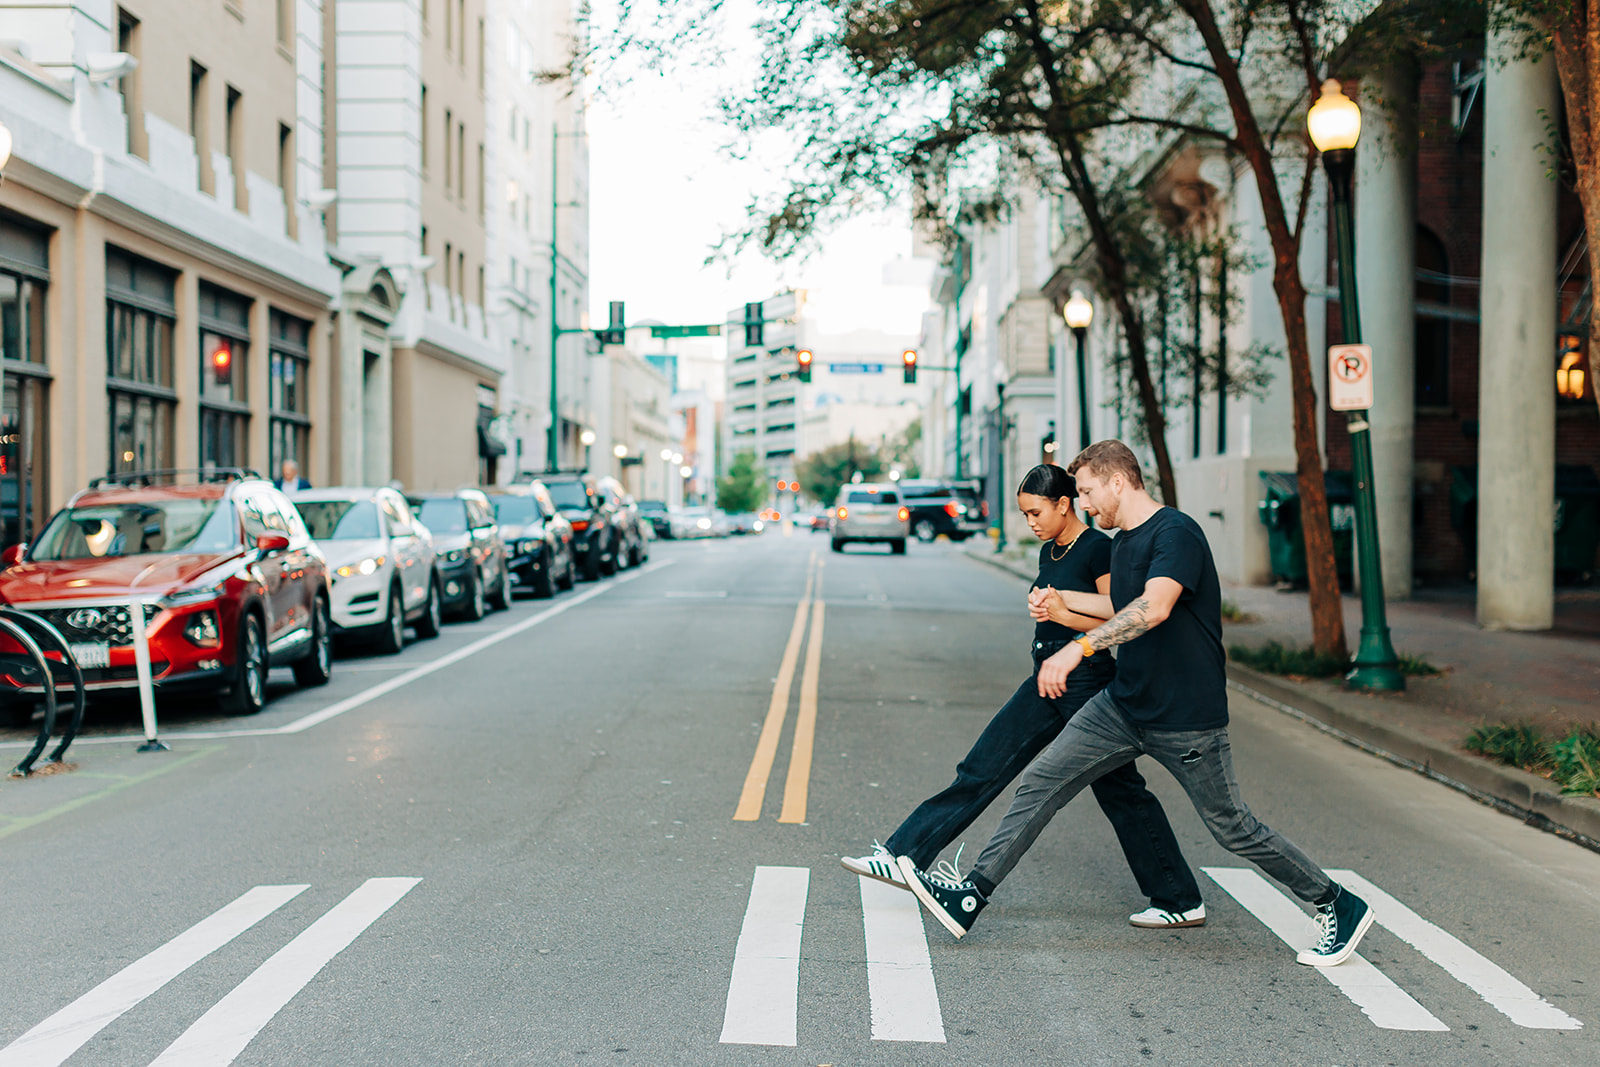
(1057, 559)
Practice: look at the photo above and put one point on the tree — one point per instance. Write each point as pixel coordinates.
(901, 450)
(822, 474)
(744, 488)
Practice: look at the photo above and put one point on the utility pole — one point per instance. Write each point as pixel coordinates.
(553, 435)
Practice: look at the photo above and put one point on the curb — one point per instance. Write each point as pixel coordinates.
(1532, 799)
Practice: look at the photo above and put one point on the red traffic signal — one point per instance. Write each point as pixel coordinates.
(783, 487)
(222, 362)
(803, 358)
(909, 356)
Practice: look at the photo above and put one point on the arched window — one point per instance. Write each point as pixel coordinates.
(1432, 335)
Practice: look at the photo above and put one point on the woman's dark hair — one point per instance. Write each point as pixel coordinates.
(1049, 481)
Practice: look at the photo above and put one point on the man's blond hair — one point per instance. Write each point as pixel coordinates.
(1105, 458)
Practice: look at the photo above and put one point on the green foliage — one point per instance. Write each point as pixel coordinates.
(1416, 666)
(1573, 762)
(823, 473)
(1576, 760)
(1520, 744)
(1232, 612)
(1277, 658)
(745, 486)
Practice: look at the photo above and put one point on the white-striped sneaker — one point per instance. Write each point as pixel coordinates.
(1161, 919)
(879, 865)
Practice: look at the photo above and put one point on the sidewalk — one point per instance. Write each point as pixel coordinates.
(1550, 679)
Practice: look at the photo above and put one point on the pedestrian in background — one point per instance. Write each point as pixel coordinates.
(1168, 700)
(1077, 558)
(289, 477)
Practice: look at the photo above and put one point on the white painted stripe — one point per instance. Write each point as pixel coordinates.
(764, 992)
(905, 1002)
(1503, 992)
(233, 1022)
(1385, 1003)
(59, 1036)
(366, 696)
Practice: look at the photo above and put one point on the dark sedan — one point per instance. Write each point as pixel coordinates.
(538, 538)
(468, 552)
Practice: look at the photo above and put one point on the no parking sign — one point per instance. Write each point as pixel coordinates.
(1350, 377)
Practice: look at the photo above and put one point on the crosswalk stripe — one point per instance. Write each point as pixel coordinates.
(1502, 991)
(905, 1002)
(58, 1037)
(1385, 1003)
(233, 1022)
(764, 990)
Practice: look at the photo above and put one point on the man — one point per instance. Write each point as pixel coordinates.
(290, 479)
(1167, 700)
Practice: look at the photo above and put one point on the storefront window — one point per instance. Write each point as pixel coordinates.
(24, 483)
(224, 378)
(288, 405)
(141, 315)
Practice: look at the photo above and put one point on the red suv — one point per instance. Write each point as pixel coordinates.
(231, 582)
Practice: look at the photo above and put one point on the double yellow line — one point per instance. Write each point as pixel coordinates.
(805, 727)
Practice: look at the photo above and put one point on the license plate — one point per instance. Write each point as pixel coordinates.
(90, 657)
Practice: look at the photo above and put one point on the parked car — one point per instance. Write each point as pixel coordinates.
(537, 536)
(633, 531)
(867, 513)
(382, 562)
(743, 523)
(949, 508)
(468, 552)
(659, 517)
(231, 581)
(592, 515)
(696, 522)
(820, 520)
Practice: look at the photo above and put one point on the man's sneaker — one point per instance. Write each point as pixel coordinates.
(1161, 919)
(1343, 922)
(954, 901)
(879, 865)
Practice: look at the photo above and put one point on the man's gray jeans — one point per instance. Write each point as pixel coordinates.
(1100, 738)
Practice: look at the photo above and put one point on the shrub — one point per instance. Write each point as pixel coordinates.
(1576, 759)
(1276, 658)
(1573, 763)
(1519, 744)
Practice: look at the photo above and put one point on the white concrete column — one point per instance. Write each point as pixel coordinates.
(1386, 260)
(1516, 405)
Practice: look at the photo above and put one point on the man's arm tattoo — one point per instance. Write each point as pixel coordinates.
(1124, 626)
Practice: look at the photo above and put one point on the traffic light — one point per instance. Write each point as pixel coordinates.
(753, 325)
(803, 358)
(222, 363)
(616, 332)
(909, 356)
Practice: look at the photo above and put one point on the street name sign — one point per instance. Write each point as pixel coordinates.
(659, 332)
(856, 368)
(1350, 377)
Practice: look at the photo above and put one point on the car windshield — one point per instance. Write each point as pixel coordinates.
(136, 529)
(443, 515)
(340, 520)
(516, 510)
(655, 506)
(865, 496)
(569, 494)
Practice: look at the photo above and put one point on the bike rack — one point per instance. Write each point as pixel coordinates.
(16, 624)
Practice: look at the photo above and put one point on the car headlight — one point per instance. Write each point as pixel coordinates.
(758, 526)
(202, 629)
(197, 595)
(366, 566)
(455, 555)
(527, 546)
(704, 524)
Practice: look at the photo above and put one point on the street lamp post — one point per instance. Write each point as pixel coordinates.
(1335, 125)
(1000, 462)
(552, 444)
(1079, 312)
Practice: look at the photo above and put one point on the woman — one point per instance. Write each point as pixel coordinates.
(1072, 557)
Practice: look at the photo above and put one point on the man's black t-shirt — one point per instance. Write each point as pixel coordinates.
(1076, 570)
(1172, 677)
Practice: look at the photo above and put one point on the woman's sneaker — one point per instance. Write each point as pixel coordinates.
(955, 902)
(879, 865)
(1343, 922)
(1162, 919)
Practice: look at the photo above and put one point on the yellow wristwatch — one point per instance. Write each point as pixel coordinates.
(1082, 641)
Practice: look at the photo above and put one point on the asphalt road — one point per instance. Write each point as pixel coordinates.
(518, 844)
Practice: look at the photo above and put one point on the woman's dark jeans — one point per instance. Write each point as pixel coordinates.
(1019, 732)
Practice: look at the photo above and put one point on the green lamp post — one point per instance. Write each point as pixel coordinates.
(1335, 126)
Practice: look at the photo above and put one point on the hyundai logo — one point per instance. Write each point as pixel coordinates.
(86, 618)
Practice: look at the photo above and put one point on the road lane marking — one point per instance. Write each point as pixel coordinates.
(58, 1037)
(1385, 1003)
(219, 1035)
(366, 696)
(18, 823)
(905, 1001)
(797, 787)
(755, 780)
(1503, 992)
(764, 990)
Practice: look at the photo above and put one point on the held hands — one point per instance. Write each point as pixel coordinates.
(1041, 602)
(1053, 671)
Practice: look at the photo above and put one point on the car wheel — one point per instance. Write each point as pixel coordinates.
(898, 547)
(570, 575)
(248, 693)
(925, 531)
(544, 583)
(317, 666)
(591, 564)
(608, 561)
(476, 606)
(838, 545)
(432, 620)
(392, 638)
(501, 600)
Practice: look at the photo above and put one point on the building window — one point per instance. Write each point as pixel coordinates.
(200, 127)
(449, 174)
(286, 177)
(1431, 334)
(288, 404)
(234, 132)
(24, 477)
(224, 377)
(422, 106)
(285, 22)
(131, 41)
(141, 317)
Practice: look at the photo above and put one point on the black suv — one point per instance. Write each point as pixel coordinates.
(593, 514)
(954, 509)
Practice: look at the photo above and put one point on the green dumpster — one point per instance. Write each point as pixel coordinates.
(1577, 517)
(1279, 511)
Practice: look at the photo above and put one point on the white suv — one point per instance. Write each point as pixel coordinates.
(870, 512)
